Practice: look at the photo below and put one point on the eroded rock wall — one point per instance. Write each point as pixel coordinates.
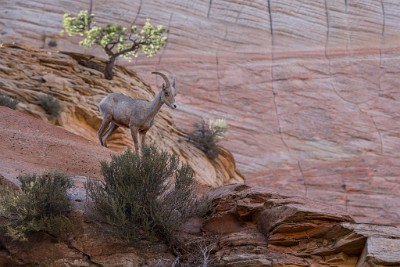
(246, 227)
(309, 88)
(28, 74)
(258, 227)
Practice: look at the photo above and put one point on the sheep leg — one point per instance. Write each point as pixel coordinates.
(106, 120)
(134, 133)
(143, 139)
(109, 131)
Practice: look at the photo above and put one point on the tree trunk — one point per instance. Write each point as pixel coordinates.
(108, 71)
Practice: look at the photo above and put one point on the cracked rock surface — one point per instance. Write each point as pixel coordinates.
(247, 226)
(277, 230)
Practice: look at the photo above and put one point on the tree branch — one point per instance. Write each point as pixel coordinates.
(90, 13)
(113, 44)
(109, 51)
(135, 46)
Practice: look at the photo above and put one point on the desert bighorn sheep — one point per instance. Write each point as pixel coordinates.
(136, 114)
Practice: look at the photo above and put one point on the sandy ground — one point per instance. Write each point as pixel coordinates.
(29, 145)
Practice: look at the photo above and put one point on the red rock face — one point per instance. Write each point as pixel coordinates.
(309, 88)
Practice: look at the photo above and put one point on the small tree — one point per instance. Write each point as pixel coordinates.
(115, 39)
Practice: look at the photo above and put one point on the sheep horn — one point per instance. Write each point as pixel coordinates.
(167, 83)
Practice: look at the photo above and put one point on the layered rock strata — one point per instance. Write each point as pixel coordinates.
(28, 74)
(246, 227)
(309, 88)
(258, 227)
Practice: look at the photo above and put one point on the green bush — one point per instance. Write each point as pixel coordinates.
(8, 102)
(41, 204)
(51, 105)
(205, 136)
(147, 196)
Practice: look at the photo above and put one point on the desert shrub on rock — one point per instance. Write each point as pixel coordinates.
(205, 136)
(41, 204)
(9, 102)
(144, 197)
(50, 104)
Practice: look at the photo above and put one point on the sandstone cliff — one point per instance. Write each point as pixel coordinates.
(309, 88)
(246, 227)
(27, 74)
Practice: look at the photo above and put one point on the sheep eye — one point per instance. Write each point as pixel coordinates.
(166, 94)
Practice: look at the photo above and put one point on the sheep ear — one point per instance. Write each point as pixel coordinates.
(174, 86)
(163, 87)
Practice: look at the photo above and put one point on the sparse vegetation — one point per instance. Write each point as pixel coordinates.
(195, 252)
(8, 102)
(115, 39)
(51, 105)
(205, 136)
(41, 204)
(52, 43)
(147, 196)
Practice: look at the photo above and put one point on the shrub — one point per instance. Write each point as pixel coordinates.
(147, 196)
(115, 39)
(52, 43)
(51, 105)
(205, 136)
(194, 252)
(8, 102)
(41, 204)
